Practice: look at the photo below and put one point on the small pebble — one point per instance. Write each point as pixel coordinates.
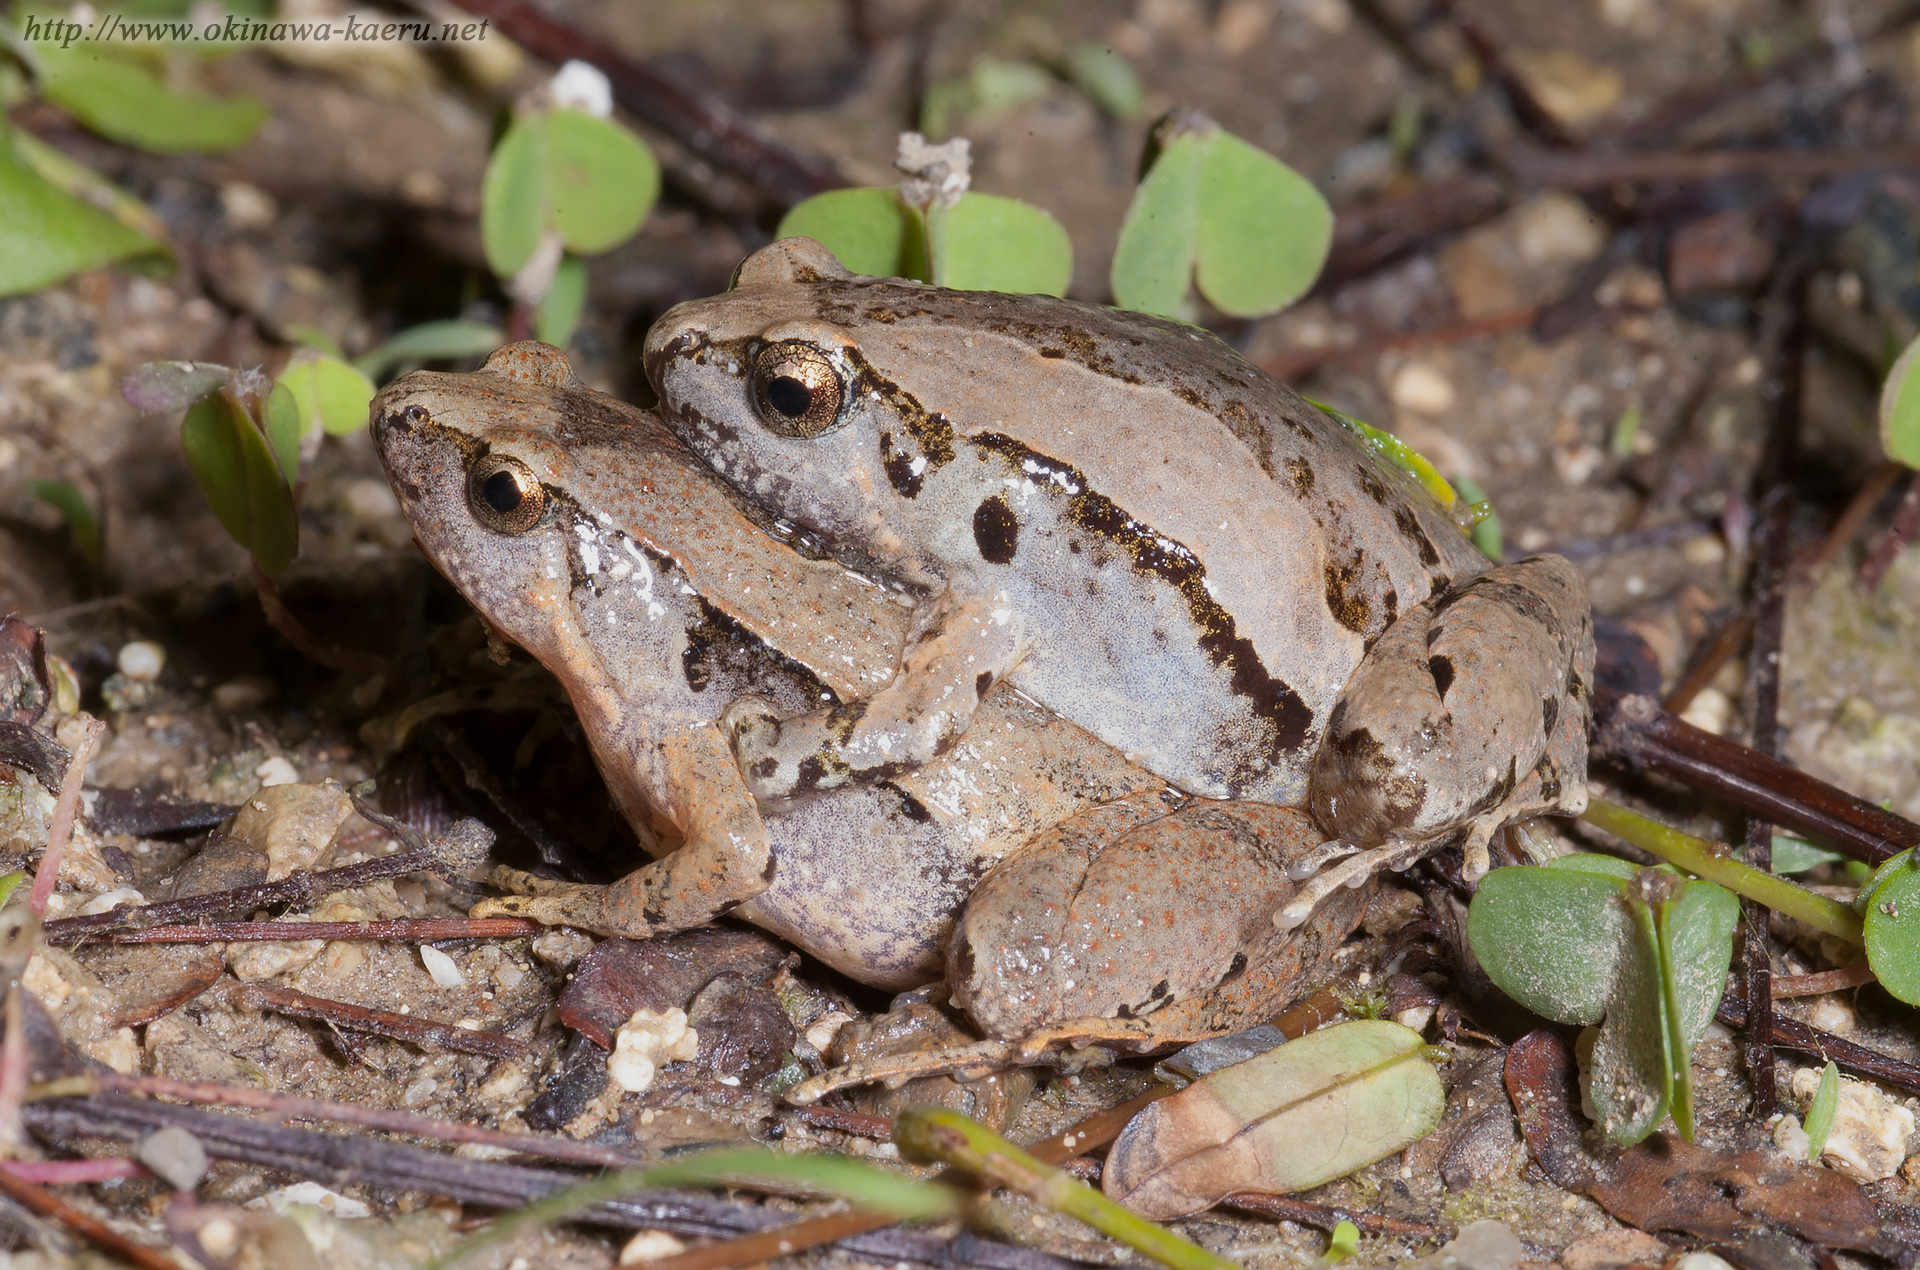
(141, 660)
(1422, 389)
(313, 1195)
(1702, 1261)
(175, 1155)
(647, 1040)
(650, 1245)
(276, 771)
(243, 693)
(441, 968)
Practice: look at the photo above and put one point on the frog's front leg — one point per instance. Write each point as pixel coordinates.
(1470, 711)
(959, 648)
(1142, 921)
(724, 861)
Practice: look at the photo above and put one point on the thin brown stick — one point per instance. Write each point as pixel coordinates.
(781, 1241)
(1323, 1217)
(60, 831)
(704, 126)
(74, 1172)
(1284, 366)
(1589, 170)
(433, 929)
(1718, 651)
(1906, 522)
(295, 888)
(47, 1204)
(1794, 1035)
(281, 618)
(360, 1018)
(1763, 672)
(1814, 985)
(294, 1107)
(1852, 517)
(857, 1123)
(1095, 1131)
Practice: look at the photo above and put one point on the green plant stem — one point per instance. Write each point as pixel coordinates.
(1674, 1038)
(935, 1135)
(1715, 862)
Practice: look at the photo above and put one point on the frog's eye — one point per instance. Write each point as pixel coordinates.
(796, 390)
(504, 494)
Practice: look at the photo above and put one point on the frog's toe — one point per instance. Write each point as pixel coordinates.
(1319, 858)
(1354, 871)
(567, 904)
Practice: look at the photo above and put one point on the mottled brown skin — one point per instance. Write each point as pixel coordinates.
(1135, 526)
(654, 596)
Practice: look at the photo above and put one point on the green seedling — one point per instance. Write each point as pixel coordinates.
(82, 524)
(57, 218)
(996, 87)
(1219, 215)
(1642, 953)
(1826, 1100)
(564, 182)
(755, 1168)
(932, 228)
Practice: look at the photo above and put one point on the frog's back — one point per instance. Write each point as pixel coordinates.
(1152, 503)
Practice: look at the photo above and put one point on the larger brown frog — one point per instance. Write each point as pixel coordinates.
(1124, 519)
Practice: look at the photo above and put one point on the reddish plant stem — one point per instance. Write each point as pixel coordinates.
(1727, 640)
(1286, 366)
(98, 1233)
(1906, 522)
(1852, 517)
(294, 1107)
(13, 1071)
(346, 660)
(1854, 976)
(60, 832)
(1794, 1035)
(73, 1172)
(781, 1241)
(360, 1018)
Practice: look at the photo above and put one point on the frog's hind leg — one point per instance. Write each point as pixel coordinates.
(1137, 922)
(1470, 711)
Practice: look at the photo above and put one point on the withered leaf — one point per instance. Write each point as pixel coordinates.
(1293, 1118)
(1732, 1197)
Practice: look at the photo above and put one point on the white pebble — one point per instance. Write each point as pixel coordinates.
(650, 1245)
(441, 968)
(313, 1195)
(277, 771)
(647, 1040)
(1702, 1261)
(1868, 1140)
(1422, 389)
(141, 659)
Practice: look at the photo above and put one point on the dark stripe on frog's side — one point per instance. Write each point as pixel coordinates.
(720, 636)
(1273, 700)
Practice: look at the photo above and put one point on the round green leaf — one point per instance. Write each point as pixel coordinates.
(1551, 939)
(1892, 922)
(1153, 259)
(123, 101)
(560, 309)
(602, 180)
(989, 243)
(513, 197)
(329, 394)
(1264, 230)
(867, 229)
(47, 234)
(1900, 409)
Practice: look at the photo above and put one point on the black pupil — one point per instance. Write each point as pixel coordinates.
(501, 491)
(789, 396)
